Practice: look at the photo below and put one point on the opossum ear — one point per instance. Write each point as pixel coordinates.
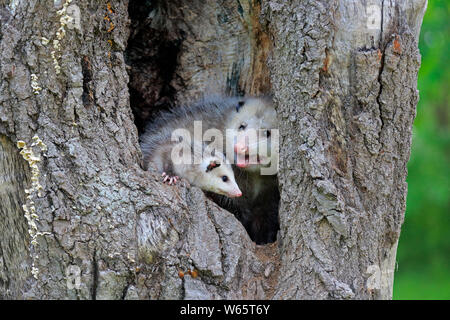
(212, 165)
(239, 105)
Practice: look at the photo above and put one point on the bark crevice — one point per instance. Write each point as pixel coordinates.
(95, 274)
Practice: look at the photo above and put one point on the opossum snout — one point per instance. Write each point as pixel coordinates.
(235, 194)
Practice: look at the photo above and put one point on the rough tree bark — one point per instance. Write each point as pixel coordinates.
(80, 219)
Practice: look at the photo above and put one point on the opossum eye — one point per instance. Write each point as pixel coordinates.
(224, 178)
(242, 126)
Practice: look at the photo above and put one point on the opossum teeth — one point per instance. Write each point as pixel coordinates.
(250, 131)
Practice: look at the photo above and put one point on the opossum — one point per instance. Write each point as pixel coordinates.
(255, 144)
(251, 128)
(211, 111)
(257, 209)
(185, 157)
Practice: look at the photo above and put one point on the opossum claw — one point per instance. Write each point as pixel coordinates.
(169, 179)
(166, 177)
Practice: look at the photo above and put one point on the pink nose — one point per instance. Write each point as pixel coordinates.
(235, 193)
(240, 148)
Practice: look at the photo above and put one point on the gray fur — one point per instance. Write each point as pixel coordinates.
(257, 209)
(211, 111)
(157, 145)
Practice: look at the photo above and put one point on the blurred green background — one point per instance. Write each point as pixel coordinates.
(423, 257)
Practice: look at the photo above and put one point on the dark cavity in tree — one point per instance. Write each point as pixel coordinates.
(157, 32)
(151, 56)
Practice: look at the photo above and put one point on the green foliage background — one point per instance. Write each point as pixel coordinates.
(423, 257)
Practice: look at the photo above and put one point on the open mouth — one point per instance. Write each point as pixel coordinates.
(244, 162)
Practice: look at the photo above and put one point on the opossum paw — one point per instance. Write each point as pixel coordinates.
(172, 180)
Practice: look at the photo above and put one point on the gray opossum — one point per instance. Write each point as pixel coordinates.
(257, 209)
(211, 111)
(177, 159)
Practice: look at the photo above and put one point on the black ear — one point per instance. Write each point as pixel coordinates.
(212, 165)
(239, 105)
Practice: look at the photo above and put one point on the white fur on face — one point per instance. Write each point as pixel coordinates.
(249, 129)
(213, 179)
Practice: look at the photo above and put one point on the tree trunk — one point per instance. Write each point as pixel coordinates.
(80, 219)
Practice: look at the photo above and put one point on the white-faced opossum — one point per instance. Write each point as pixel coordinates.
(187, 157)
(256, 151)
(251, 128)
(249, 122)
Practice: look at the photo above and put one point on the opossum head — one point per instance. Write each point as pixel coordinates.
(252, 128)
(217, 176)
